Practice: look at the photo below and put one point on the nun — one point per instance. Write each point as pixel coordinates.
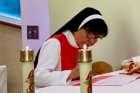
(56, 61)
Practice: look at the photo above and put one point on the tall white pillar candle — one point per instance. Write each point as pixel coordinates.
(85, 64)
(27, 59)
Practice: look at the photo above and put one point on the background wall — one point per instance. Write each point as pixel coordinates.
(35, 12)
(122, 17)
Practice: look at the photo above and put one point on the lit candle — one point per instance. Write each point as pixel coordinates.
(85, 54)
(27, 59)
(26, 51)
(85, 64)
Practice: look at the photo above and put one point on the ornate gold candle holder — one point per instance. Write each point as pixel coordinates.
(84, 56)
(27, 59)
(26, 55)
(85, 59)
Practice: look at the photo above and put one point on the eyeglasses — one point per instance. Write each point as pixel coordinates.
(90, 35)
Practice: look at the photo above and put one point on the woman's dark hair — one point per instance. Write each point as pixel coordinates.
(96, 26)
(74, 23)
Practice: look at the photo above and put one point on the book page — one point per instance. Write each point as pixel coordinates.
(110, 80)
(117, 80)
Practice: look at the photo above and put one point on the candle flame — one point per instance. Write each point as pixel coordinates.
(27, 48)
(84, 46)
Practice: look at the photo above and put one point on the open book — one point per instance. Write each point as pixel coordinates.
(111, 80)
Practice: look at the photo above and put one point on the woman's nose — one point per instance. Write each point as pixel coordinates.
(92, 42)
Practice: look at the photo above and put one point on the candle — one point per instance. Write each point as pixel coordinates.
(27, 58)
(84, 55)
(26, 55)
(85, 64)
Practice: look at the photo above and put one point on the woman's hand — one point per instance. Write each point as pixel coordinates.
(135, 69)
(74, 73)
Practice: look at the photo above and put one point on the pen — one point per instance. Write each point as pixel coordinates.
(126, 73)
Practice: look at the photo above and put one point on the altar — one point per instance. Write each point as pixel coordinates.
(106, 86)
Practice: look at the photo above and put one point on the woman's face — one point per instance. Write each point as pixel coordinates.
(85, 37)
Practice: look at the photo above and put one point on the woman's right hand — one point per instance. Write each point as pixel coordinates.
(74, 73)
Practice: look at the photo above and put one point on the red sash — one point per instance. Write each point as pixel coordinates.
(68, 54)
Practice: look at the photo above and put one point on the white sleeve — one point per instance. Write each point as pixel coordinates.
(49, 58)
(135, 59)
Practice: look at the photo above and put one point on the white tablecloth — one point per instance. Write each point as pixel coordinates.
(132, 87)
(3, 79)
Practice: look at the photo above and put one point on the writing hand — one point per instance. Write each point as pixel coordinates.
(134, 70)
(74, 73)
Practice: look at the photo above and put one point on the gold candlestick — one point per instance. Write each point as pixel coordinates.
(27, 59)
(85, 64)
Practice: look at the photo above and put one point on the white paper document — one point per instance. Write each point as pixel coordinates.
(117, 80)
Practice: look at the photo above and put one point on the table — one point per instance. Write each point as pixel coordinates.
(132, 87)
(3, 79)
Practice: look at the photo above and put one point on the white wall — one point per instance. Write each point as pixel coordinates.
(35, 12)
(122, 17)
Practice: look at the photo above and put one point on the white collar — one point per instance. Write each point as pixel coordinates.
(70, 38)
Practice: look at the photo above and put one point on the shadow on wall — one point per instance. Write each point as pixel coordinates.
(125, 37)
